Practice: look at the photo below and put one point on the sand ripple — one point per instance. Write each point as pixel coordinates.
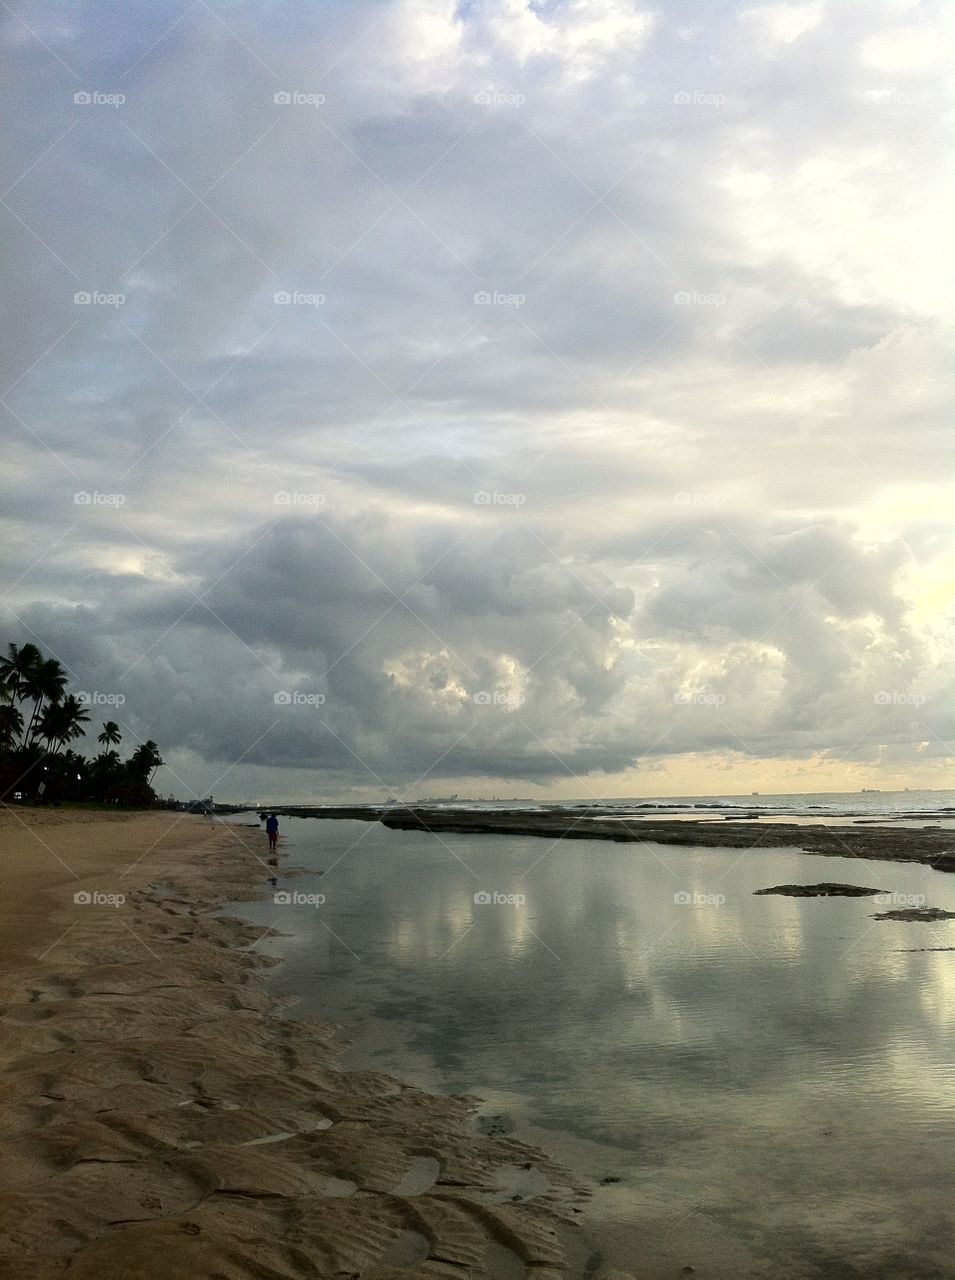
(161, 1120)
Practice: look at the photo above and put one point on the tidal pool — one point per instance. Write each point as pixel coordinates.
(767, 1084)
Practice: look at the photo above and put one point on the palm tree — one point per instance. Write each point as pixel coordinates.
(17, 667)
(105, 771)
(45, 682)
(111, 736)
(145, 760)
(75, 716)
(48, 728)
(108, 762)
(155, 759)
(62, 722)
(11, 725)
(141, 761)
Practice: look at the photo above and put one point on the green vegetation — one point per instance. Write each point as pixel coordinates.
(39, 720)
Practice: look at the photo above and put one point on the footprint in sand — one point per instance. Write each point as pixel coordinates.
(501, 1263)
(517, 1182)
(420, 1176)
(323, 1123)
(409, 1250)
(27, 1013)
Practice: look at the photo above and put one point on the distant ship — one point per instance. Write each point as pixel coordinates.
(871, 791)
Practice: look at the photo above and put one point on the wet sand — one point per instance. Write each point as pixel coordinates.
(160, 1118)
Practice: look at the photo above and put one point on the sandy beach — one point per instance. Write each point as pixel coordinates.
(160, 1117)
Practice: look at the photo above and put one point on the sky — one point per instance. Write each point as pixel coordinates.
(492, 398)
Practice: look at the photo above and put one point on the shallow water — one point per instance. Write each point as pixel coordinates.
(771, 1080)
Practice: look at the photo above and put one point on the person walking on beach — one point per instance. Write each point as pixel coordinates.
(272, 830)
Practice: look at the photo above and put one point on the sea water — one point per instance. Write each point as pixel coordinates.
(757, 1085)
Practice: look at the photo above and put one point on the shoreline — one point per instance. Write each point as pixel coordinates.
(933, 847)
(161, 1118)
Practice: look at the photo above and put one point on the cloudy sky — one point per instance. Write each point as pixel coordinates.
(495, 398)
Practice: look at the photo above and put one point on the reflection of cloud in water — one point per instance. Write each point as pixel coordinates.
(403, 939)
(780, 1048)
(937, 994)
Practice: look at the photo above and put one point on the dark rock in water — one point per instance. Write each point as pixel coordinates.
(825, 890)
(915, 913)
(495, 1126)
(917, 950)
(883, 842)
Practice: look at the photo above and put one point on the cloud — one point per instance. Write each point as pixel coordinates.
(587, 356)
(367, 648)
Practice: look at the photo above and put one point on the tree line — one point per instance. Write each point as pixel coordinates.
(39, 720)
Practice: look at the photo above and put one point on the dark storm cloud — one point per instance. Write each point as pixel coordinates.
(399, 646)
